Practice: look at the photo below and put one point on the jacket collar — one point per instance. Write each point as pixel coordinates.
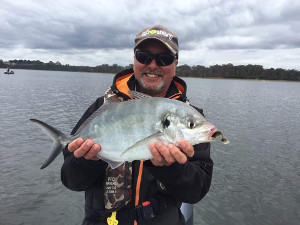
(125, 81)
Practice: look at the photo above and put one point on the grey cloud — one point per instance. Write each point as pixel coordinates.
(247, 20)
(43, 28)
(95, 26)
(91, 25)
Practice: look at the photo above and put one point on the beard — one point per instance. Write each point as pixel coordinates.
(151, 90)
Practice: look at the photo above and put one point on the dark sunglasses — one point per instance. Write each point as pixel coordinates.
(163, 59)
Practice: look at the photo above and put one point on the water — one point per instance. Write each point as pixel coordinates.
(255, 180)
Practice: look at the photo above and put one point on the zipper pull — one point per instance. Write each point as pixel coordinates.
(113, 219)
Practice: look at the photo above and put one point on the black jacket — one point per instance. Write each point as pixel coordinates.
(173, 184)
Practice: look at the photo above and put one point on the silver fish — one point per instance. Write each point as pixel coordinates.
(124, 129)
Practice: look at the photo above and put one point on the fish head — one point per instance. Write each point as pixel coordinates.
(188, 125)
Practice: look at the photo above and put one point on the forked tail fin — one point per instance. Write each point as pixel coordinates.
(59, 138)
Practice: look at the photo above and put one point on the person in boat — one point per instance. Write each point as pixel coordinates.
(141, 192)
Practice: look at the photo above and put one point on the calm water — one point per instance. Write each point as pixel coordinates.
(256, 177)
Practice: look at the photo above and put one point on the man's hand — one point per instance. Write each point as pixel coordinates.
(84, 148)
(165, 155)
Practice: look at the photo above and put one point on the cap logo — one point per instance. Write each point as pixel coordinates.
(152, 31)
(159, 32)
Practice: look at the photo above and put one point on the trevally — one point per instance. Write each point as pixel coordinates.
(124, 129)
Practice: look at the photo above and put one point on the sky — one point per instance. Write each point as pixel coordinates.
(95, 32)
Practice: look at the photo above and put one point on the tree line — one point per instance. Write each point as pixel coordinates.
(57, 66)
(227, 71)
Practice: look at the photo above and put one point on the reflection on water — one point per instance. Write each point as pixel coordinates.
(256, 176)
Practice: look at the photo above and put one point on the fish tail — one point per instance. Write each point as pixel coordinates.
(58, 137)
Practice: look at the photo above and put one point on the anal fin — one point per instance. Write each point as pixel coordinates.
(113, 164)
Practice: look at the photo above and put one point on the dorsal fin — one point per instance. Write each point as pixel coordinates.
(138, 95)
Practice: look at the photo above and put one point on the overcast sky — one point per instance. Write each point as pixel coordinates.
(95, 32)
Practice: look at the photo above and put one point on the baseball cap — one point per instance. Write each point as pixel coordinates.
(160, 33)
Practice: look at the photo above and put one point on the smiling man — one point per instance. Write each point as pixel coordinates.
(149, 192)
(155, 76)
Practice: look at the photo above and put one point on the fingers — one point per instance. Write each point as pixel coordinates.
(87, 149)
(83, 149)
(165, 152)
(157, 160)
(165, 155)
(187, 148)
(72, 146)
(178, 155)
(92, 153)
(161, 154)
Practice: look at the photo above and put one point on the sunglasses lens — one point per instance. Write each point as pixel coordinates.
(165, 59)
(160, 59)
(143, 57)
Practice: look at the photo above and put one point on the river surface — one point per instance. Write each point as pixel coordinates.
(256, 177)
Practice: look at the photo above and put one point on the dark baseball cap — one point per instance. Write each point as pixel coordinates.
(160, 33)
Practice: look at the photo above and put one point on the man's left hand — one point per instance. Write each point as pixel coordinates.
(165, 155)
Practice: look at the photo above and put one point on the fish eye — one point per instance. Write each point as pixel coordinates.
(166, 121)
(191, 124)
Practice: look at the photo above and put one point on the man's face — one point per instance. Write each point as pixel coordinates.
(154, 80)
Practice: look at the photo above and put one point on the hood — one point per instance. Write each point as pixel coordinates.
(125, 81)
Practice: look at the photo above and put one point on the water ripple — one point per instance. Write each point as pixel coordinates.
(256, 176)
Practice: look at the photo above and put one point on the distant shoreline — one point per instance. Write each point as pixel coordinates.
(223, 78)
(228, 71)
(215, 78)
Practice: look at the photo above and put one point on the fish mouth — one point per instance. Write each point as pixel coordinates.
(216, 133)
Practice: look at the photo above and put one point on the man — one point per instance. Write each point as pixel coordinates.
(149, 192)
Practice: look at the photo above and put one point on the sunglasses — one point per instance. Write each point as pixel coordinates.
(163, 59)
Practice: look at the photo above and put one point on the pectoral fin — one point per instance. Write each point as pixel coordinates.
(146, 140)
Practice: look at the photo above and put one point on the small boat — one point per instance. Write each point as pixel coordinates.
(8, 71)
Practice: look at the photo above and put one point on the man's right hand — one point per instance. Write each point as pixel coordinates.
(84, 148)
